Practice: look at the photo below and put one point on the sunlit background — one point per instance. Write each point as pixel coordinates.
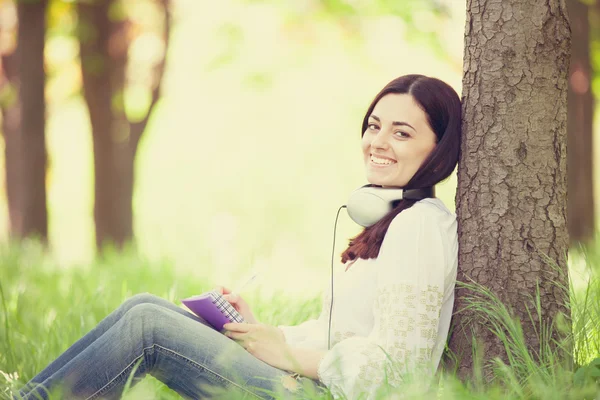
(255, 142)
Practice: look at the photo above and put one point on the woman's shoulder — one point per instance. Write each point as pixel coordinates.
(434, 203)
(427, 229)
(429, 209)
(425, 217)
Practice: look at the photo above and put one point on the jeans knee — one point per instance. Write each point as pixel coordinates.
(145, 311)
(144, 316)
(140, 298)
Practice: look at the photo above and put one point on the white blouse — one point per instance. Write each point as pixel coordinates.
(399, 303)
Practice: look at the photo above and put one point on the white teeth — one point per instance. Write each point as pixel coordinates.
(382, 161)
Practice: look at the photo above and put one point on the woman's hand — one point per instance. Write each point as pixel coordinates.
(265, 342)
(238, 303)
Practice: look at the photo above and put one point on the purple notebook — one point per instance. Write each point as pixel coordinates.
(213, 308)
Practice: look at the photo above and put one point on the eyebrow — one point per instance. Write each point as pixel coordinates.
(395, 123)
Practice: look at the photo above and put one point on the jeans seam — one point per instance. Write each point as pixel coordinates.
(116, 379)
(204, 367)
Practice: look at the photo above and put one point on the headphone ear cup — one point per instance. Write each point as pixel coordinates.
(366, 208)
(369, 204)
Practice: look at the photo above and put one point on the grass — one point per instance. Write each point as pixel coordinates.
(45, 308)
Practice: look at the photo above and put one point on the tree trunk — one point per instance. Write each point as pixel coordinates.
(103, 59)
(104, 45)
(580, 103)
(511, 197)
(32, 162)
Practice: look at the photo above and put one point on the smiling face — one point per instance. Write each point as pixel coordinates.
(397, 140)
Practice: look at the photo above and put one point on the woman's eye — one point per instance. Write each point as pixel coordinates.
(372, 127)
(402, 134)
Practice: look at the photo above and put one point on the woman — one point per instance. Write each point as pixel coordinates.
(394, 296)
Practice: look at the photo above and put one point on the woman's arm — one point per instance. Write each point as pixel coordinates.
(303, 361)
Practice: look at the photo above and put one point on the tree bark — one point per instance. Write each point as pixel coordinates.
(32, 161)
(581, 216)
(104, 45)
(511, 198)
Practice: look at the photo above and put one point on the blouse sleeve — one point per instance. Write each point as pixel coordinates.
(298, 333)
(406, 309)
(310, 328)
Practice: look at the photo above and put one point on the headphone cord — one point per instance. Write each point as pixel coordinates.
(332, 255)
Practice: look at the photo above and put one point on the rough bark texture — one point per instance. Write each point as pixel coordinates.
(32, 162)
(104, 45)
(511, 198)
(581, 219)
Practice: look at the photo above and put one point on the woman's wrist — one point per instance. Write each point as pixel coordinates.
(287, 362)
(282, 334)
(302, 361)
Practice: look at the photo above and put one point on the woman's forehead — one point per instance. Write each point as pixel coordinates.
(399, 107)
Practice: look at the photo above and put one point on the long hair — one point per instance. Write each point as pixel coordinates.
(442, 106)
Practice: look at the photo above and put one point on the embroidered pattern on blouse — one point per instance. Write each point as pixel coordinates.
(339, 336)
(404, 310)
(431, 300)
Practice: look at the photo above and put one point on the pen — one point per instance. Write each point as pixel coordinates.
(239, 289)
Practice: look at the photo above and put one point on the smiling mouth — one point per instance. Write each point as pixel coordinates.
(381, 161)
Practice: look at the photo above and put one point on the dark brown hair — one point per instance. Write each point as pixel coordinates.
(442, 105)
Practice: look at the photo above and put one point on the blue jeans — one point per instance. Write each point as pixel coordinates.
(150, 335)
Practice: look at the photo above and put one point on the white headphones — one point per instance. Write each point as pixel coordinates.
(368, 204)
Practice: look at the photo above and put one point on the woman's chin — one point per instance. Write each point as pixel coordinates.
(377, 182)
(377, 179)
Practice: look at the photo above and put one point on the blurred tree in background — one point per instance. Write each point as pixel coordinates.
(580, 191)
(106, 34)
(23, 107)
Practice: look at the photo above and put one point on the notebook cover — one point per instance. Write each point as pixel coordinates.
(213, 308)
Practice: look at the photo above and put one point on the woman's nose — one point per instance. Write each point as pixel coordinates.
(380, 141)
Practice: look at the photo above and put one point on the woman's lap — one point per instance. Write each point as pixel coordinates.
(175, 347)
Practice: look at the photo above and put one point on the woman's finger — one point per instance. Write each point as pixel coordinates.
(238, 327)
(232, 298)
(234, 335)
(222, 290)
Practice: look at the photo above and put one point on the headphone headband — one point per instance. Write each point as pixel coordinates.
(369, 203)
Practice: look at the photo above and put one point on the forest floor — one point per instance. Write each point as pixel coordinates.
(45, 308)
